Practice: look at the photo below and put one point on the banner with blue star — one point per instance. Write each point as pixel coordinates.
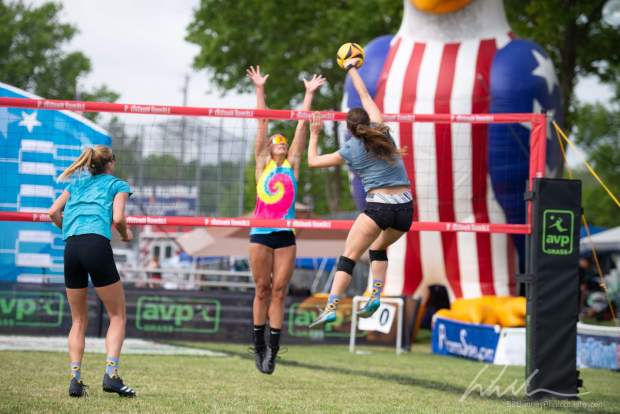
(35, 147)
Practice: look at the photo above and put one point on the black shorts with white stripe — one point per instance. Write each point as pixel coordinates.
(394, 216)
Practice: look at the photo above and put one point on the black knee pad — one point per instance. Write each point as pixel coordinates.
(378, 255)
(345, 265)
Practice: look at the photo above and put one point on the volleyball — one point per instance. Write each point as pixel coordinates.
(348, 51)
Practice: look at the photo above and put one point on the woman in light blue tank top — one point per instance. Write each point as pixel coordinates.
(273, 250)
(372, 154)
(85, 212)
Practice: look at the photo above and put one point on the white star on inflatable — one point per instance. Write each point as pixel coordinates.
(29, 121)
(545, 70)
(6, 118)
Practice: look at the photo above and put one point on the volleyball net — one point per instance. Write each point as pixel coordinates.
(191, 166)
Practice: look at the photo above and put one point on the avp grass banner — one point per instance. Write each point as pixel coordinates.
(165, 314)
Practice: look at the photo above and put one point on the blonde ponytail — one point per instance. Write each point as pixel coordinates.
(94, 159)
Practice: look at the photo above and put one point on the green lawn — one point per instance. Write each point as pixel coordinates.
(308, 379)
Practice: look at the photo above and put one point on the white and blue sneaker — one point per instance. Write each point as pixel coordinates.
(327, 316)
(370, 307)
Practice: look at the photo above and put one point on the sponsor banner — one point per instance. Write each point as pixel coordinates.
(36, 309)
(598, 347)
(163, 200)
(595, 351)
(472, 341)
(32, 309)
(177, 315)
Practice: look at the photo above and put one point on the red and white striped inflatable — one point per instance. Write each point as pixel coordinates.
(445, 71)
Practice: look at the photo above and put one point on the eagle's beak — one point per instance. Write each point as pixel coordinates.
(440, 6)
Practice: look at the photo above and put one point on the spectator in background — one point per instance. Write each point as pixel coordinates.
(593, 301)
(584, 267)
(154, 278)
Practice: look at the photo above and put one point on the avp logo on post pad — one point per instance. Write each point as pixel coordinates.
(557, 237)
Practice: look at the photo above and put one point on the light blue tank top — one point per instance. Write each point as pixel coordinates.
(89, 208)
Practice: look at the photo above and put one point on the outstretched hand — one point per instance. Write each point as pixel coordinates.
(314, 83)
(316, 125)
(352, 61)
(256, 77)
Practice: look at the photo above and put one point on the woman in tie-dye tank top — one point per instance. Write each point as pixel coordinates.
(273, 250)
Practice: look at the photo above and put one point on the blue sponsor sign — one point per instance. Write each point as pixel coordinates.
(598, 351)
(35, 147)
(466, 340)
(163, 200)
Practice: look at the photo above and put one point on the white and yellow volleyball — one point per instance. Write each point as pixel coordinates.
(348, 51)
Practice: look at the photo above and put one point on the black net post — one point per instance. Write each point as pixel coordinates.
(552, 289)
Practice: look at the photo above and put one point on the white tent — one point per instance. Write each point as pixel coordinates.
(608, 240)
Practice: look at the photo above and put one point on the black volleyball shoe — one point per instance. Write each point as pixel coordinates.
(259, 357)
(269, 364)
(115, 384)
(77, 388)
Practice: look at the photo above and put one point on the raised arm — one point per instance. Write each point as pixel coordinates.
(118, 216)
(299, 140)
(367, 102)
(261, 147)
(314, 159)
(57, 208)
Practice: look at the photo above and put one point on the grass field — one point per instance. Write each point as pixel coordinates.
(308, 379)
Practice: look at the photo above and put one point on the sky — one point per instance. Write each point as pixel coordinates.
(137, 48)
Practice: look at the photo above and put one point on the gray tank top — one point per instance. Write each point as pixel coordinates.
(373, 171)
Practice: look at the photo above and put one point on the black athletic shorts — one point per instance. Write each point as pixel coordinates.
(275, 240)
(396, 216)
(89, 254)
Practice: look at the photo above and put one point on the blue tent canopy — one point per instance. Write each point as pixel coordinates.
(593, 230)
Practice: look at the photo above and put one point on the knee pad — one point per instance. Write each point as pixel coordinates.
(345, 265)
(378, 255)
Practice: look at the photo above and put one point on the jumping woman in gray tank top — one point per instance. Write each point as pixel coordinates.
(373, 155)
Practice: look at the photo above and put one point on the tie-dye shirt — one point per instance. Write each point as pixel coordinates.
(276, 191)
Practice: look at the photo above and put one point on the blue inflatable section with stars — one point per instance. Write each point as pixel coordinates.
(35, 147)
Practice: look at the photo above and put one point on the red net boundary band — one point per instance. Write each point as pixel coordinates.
(537, 121)
(292, 224)
(538, 139)
(281, 114)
